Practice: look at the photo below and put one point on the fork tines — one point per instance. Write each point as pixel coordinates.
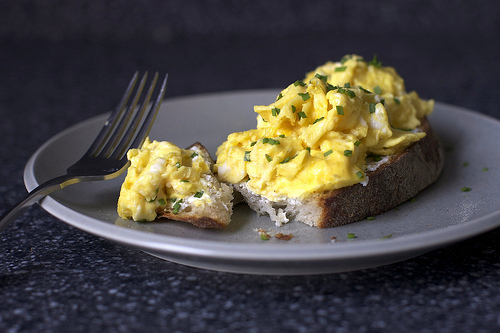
(128, 125)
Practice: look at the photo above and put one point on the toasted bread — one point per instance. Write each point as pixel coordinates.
(399, 178)
(217, 213)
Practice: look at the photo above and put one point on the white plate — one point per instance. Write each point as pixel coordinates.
(441, 215)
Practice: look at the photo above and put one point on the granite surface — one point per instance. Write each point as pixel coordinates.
(63, 62)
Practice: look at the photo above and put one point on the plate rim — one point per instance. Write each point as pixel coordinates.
(420, 242)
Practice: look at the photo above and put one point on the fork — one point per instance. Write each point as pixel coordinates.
(127, 127)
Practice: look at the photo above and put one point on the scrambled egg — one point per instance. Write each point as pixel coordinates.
(162, 176)
(318, 133)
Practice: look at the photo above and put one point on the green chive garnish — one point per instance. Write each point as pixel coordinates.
(351, 235)
(359, 174)
(308, 149)
(340, 69)
(253, 143)
(275, 112)
(374, 62)
(372, 107)
(305, 96)
(177, 206)
(377, 90)
(397, 101)
(269, 158)
(321, 77)
(280, 96)
(162, 202)
(302, 115)
(294, 109)
(286, 160)
(246, 158)
(193, 155)
(347, 152)
(178, 165)
(199, 194)
(466, 189)
(340, 110)
(184, 181)
(319, 119)
(328, 153)
(370, 218)
(299, 83)
(357, 143)
(347, 85)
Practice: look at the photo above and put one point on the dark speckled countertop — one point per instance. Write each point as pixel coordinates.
(61, 63)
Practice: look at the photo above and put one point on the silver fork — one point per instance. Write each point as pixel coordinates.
(127, 127)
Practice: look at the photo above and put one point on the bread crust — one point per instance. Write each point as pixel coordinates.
(217, 215)
(392, 183)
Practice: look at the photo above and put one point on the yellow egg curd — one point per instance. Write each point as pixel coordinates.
(318, 133)
(162, 175)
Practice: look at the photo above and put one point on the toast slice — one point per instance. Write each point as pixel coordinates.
(392, 181)
(194, 195)
(214, 215)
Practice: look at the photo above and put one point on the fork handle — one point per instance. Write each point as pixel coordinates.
(34, 196)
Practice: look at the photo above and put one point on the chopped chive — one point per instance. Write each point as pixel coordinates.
(184, 181)
(377, 90)
(347, 85)
(340, 69)
(305, 96)
(246, 158)
(264, 120)
(193, 155)
(177, 206)
(328, 153)
(351, 235)
(173, 200)
(280, 96)
(308, 149)
(372, 107)
(359, 174)
(270, 141)
(485, 169)
(253, 143)
(301, 115)
(286, 160)
(269, 158)
(345, 58)
(282, 135)
(177, 165)
(162, 202)
(350, 93)
(370, 218)
(299, 83)
(387, 237)
(382, 101)
(397, 101)
(321, 77)
(318, 120)
(466, 189)
(357, 143)
(348, 152)
(199, 194)
(275, 112)
(331, 87)
(294, 109)
(340, 110)
(375, 62)
(264, 236)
